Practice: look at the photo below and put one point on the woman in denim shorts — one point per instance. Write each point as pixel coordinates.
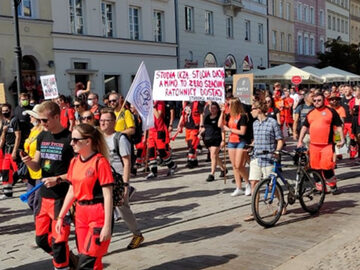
(236, 125)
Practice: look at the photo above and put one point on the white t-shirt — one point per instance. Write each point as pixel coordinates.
(124, 149)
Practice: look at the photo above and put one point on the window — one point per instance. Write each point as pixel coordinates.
(289, 41)
(281, 6)
(338, 24)
(288, 10)
(329, 22)
(321, 18)
(346, 27)
(111, 83)
(247, 30)
(76, 16)
(342, 26)
(282, 41)
(80, 65)
(25, 8)
(134, 22)
(312, 15)
(261, 33)
(158, 26)
(306, 14)
(209, 22)
(312, 46)
(229, 27)
(306, 45)
(300, 44)
(322, 45)
(274, 40)
(107, 19)
(333, 23)
(273, 7)
(299, 12)
(189, 19)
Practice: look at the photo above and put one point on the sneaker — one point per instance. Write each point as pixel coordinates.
(4, 197)
(223, 173)
(319, 187)
(136, 241)
(132, 191)
(73, 261)
(210, 178)
(117, 215)
(150, 176)
(171, 171)
(248, 190)
(334, 190)
(237, 192)
(199, 151)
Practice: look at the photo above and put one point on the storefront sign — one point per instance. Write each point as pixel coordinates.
(243, 87)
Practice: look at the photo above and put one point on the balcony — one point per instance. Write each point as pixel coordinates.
(234, 6)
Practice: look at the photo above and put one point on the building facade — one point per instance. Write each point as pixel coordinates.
(310, 32)
(35, 26)
(222, 33)
(354, 21)
(281, 32)
(105, 41)
(338, 20)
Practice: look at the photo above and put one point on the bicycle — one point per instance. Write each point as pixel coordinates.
(268, 198)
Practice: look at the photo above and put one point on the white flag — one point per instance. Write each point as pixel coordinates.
(140, 96)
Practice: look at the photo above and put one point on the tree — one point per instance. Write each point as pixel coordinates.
(340, 55)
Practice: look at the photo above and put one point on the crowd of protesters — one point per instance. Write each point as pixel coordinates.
(70, 146)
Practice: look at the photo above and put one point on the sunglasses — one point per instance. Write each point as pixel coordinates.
(254, 109)
(86, 118)
(317, 100)
(76, 140)
(77, 105)
(113, 100)
(44, 120)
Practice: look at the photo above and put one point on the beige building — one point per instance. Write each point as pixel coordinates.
(281, 32)
(354, 21)
(35, 26)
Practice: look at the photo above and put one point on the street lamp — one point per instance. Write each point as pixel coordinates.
(16, 3)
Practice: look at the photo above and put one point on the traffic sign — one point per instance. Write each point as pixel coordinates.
(296, 80)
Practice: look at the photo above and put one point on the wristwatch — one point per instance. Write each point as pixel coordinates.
(58, 180)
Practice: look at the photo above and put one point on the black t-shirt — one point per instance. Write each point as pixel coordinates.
(169, 105)
(10, 137)
(56, 154)
(212, 131)
(272, 113)
(345, 104)
(24, 120)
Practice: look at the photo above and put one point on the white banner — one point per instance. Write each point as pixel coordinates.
(200, 84)
(49, 86)
(140, 96)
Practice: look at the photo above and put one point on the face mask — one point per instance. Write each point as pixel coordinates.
(25, 103)
(90, 103)
(6, 115)
(35, 123)
(32, 104)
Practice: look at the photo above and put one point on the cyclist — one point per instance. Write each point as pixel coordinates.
(267, 137)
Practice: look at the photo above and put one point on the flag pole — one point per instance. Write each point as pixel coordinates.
(224, 161)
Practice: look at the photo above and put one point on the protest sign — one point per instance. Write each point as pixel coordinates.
(2, 94)
(199, 84)
(49, 86)
(243, 87)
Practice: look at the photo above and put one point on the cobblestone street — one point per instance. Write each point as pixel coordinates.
(189, 223)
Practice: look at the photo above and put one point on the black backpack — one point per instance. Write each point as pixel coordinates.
(136, 137)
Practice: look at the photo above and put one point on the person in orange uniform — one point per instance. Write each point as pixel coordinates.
(335, 104)
(321, 122)
(91, 184)
(288, 105)
(191, 119)
(279, 103)
(158, 141)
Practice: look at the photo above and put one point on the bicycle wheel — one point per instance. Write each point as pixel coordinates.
(312, 191)
(267, 210)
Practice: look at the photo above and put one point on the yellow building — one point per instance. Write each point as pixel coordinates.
(354, 21)
(35, 27)
(281, 32)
